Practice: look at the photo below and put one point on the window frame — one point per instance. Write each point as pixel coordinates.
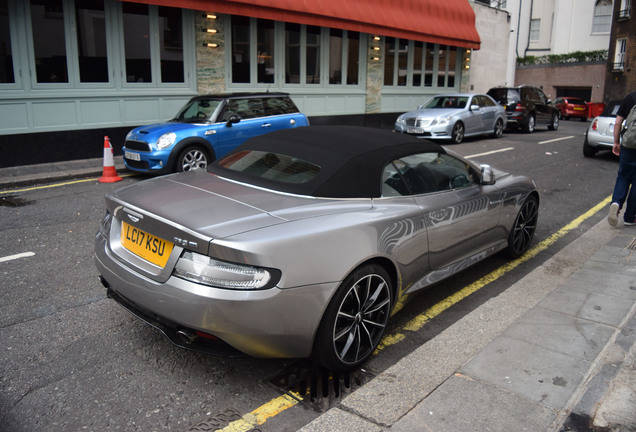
(620, 52)
(20, 16)
(280, 58)
(16, 56)
(602, 12)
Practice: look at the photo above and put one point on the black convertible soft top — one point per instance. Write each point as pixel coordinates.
(351, 158)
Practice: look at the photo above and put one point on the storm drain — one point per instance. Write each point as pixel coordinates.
(319, 388)
(632, 245)
(217, 421)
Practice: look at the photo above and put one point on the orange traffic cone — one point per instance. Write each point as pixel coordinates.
(109, 174)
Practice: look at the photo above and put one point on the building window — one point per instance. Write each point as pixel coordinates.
(619, 55)
(535, 29)
(49, 41)
(625, 11)
(343, 56)
(307, 55)
(90, 20)
(419, 64)
(7, 74)
(265, 51)
(602, 16)
(70, 44)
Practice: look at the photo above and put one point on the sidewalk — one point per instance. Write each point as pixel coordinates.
(554, 352)
(56, 171)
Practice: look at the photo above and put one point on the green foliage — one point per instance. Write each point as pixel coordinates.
(575, 57)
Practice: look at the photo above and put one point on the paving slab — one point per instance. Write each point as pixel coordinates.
(464, 404)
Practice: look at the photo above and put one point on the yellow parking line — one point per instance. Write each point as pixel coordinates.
(56, 185)
(262, 413)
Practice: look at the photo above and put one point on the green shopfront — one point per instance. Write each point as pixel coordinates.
(74, 71)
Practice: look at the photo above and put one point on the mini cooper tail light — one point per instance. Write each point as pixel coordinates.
(208, 271)
(595, 124)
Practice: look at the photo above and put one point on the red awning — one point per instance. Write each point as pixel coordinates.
(448, 22)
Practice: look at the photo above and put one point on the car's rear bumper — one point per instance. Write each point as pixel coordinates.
(262, 323)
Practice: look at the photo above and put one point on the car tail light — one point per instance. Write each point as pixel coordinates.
(595, 124)
(519, 108)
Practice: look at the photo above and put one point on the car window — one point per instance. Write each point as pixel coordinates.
(271, 166)
(426, 173)
(446, 102)
(279, 105)
(198, 109)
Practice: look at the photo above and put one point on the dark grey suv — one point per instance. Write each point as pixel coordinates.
(526, 107)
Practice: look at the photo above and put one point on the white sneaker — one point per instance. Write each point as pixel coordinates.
(612, 217)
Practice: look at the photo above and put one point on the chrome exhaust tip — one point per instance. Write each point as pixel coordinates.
(188, 337)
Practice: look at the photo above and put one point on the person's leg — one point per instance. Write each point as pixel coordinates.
(626, 172)
(630, 209)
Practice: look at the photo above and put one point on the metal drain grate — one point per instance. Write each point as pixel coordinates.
(320, 388)
(632, 245)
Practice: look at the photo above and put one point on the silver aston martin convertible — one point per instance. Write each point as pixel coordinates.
(304, 242)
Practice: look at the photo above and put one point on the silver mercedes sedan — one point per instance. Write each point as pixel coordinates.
(303, 242)
(454, 117)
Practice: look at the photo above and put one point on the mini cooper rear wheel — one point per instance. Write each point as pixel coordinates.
(355, 320)
(191, 158)
(524, 227)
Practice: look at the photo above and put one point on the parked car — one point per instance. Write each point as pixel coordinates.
(206, 128)
(526, 107)
(571, 107)
(600, 134)
(303, 242)
(454, 117)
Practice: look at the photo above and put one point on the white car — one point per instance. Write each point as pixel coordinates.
(600, 134)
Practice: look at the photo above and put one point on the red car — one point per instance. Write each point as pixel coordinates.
(571, 107)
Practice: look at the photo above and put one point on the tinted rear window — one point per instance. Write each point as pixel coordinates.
(271, 166)
(504, 95)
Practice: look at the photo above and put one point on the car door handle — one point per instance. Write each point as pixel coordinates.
(267, 125)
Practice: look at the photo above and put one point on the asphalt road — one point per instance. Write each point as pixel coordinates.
(72, 360)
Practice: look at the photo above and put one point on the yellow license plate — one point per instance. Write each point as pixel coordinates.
(145, 245)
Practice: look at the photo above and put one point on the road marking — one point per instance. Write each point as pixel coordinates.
(284, 402)
(556, 139)
(262, 413)
(490, 152)
(12, 191)
(17, 256)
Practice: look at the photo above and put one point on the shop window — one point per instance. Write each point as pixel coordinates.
(136, 20)
(265, 51)
(6, 52)
(91, 40)
(49, 42)
(171, 44)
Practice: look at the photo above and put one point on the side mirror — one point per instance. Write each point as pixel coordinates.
(487, 175)
(232, 120)
(474, 107)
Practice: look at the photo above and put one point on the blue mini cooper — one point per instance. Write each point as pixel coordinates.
(206, 128)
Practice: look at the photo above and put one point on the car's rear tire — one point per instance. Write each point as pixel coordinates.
(354, 320)
(524, 227)
(498, 132)
(529, 127)
(583, 119)
(457, 134)
(588, 150)
(191, 158)
(554, 123)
